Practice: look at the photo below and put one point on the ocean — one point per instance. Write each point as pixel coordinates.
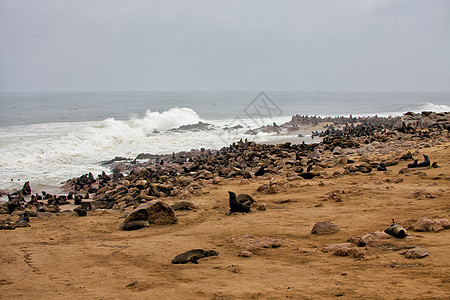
(47, 138)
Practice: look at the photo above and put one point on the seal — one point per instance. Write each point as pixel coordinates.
(241, 203)
(382, 166)
(81, 212)
(183, 205)
(396, 230)
(133, 225)
(413, 165)
(193, 256)
(425, 163)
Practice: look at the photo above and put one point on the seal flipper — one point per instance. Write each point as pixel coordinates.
(195, 259)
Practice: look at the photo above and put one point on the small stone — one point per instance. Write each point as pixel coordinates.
(244, 253)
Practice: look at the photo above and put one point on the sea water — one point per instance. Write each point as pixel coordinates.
(46, 138)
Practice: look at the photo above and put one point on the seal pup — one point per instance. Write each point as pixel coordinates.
(396, 230)
(241, 203)
(425, 163)
(193, 256)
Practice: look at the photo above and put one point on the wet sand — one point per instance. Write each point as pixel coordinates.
(63, 256)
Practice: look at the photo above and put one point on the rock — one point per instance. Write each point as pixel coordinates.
(348, 251)
(259, 206)
(284, 201)
(425, 224)
(155, 212)
(416, 252)
(244, 253)
(334, 247)
(251, 243)
(404, 170)
(344, 249)
(369, 238)
(421, 194)
(324, 228)
(338, 151)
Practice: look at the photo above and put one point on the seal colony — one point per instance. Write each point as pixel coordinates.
(352, 183)
(185, 174)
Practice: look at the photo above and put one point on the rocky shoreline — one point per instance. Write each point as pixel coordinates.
(182, 175)
(363, 212)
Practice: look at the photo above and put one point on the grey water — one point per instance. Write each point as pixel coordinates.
(55, 107)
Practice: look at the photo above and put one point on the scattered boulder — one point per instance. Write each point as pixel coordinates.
(344, 249)
(416, 252)
(369, 238)
(425, 224)
(251, 243)
(154, 212)
(324, 228)
(421, 194)
(244, 253)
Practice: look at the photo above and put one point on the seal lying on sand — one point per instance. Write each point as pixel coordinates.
(425, 163)
(240, 203)
(133, 225)
(382, 166)
(193, 255)
(396, 230)
(183, 205)
(413, 165)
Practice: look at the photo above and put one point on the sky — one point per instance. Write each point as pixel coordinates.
(235, 45)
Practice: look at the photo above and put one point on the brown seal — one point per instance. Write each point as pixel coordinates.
(133, 225)
(183, 205)
(396, 230)
(193, 255)
(240, 203)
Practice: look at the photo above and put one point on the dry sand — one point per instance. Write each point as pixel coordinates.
(68, 257)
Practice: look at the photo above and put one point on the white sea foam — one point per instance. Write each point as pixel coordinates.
(51, 153)
(431, 107)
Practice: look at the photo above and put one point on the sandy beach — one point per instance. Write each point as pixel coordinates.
(63, 256)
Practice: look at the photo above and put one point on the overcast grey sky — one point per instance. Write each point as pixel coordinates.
(179, 45)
